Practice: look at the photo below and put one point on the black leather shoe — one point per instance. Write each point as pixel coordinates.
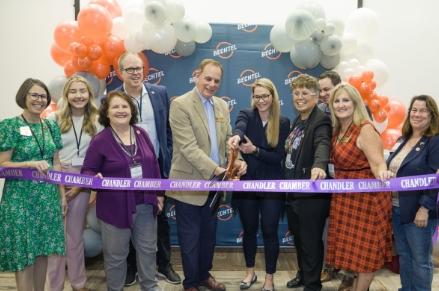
(131, 278)
(295, 282)
(246, 285)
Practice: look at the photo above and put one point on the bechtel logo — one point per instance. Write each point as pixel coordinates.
(270, 53)
(224, 50)
(230, 102)
(291, 76)
(248, 77)
(154, 76)
(247, 27)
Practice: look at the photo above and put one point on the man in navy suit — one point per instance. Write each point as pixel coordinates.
(153, 106)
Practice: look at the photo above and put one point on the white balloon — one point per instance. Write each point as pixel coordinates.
(329, 62)
(347, 73)
(349, 44)
(175, 10)
(163, 39)
(280, 39)
(318, 35)
(313, 7)
(56, 87)
(134, 42)
(364, 52)
(305, 54)
(203, 32)
(155, 12)
(320, 24)
(133, 19)
(300, 24)
(185, 30)
(185, 48)
(119, 28)
(92, 243)
(339, 26)
(329, 28)
(331, 45)
(380, 70)
(363, 23)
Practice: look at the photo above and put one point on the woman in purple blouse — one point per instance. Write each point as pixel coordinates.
(124, 150)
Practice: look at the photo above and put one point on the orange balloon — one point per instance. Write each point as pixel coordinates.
(94, 52)
(60, 56)
(367, 76)
(355, 81)
(94, 22)
(100, 68)
(80, 50)
(380, 116)
(365, 90)
(396, 113)
(84, 64)
(389, 137)
(383, 100)
(114, 47)
(111, 5)
(66, 33)
(374, 105)
(69, 68)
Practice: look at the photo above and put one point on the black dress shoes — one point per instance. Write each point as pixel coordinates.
(295, 282)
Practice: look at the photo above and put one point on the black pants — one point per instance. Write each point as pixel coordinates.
(306, 221)
(163, 245)
(269, 207)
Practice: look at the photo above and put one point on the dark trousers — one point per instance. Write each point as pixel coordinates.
(196, 230)
(269, 208)
(306, 221)
(163, 246)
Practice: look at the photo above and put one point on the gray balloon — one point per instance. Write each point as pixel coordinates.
(306, 54)
(185, 49)
(56, 87)
(330, 62)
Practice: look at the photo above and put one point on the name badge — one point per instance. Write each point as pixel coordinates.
(25, 131)
(136, 171)
(331, 170)
(77, 161)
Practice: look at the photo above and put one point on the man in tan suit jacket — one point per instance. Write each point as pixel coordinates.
(195, 157)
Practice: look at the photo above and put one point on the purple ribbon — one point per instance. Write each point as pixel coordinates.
(422, 182)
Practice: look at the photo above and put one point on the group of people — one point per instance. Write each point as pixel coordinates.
(138, 133)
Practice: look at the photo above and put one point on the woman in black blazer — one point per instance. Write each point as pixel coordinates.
(415, 216)
(260, 134)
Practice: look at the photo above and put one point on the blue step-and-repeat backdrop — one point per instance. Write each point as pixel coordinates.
(246, 54)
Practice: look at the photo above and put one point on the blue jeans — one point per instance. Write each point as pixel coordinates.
(414, 246)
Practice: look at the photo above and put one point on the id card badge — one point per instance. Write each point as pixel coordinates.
(136, 171)
(25, 131)
(77, 161)
(331, 170)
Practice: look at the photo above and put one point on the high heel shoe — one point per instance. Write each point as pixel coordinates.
(246, 285)
(263, 289)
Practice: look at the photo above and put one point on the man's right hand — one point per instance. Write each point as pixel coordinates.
(233, 142)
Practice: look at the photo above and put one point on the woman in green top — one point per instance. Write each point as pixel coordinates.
(31, 222)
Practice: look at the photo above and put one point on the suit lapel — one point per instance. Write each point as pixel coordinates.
(415, 152)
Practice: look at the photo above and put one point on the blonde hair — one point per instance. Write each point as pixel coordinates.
(360, 113)
(64, 112)
(272, 131)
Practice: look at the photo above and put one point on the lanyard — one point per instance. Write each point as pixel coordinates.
(139, 105)
(132, 151)
(41, 147)
(78, 141)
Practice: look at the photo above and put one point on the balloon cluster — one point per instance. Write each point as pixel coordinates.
(309, 37)
(160, 26)
(388, 115)
(87, 44)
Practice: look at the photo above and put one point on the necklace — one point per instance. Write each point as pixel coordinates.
(344, 138)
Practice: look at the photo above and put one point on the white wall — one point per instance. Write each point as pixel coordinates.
(407, 41)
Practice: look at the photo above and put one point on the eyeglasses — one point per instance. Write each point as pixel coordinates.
(422, 111)
(263, 97)
(133, 70)
(36, 96)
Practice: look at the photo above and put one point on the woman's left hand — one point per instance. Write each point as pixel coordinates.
(421, 218)
(160, 203)
(64, 206)
(317, 174)
(385, 175)
(247, 147)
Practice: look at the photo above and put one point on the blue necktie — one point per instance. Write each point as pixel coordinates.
(214, 155)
